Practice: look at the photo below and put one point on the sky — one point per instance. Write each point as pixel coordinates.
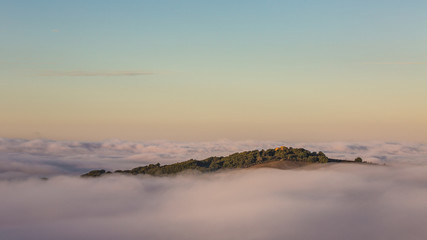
(208, 70)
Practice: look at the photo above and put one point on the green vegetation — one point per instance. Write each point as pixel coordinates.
(236, 160)
(358, 159)
(96, 173)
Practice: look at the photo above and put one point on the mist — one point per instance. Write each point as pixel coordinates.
(334, 202)
(22, 158)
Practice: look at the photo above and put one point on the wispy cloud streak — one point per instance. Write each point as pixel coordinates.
(96, 74)
(395, 63)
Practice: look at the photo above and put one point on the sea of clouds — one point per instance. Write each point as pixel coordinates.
(21, 158)
(335, 202)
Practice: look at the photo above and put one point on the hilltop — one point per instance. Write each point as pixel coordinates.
(281, 157)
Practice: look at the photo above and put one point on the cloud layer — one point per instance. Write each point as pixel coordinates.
(336, 202)
(339, 202)
(43, 158)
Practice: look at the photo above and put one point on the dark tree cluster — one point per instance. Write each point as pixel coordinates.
(235, 160)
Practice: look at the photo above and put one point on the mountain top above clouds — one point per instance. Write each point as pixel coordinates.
(280, 157)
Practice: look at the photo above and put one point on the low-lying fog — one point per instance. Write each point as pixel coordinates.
(336, 202)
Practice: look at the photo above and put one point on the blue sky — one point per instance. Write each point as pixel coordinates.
(159, 69)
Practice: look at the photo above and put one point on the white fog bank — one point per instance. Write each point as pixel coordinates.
(21, 158)
(337, 202)
(341, 201)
